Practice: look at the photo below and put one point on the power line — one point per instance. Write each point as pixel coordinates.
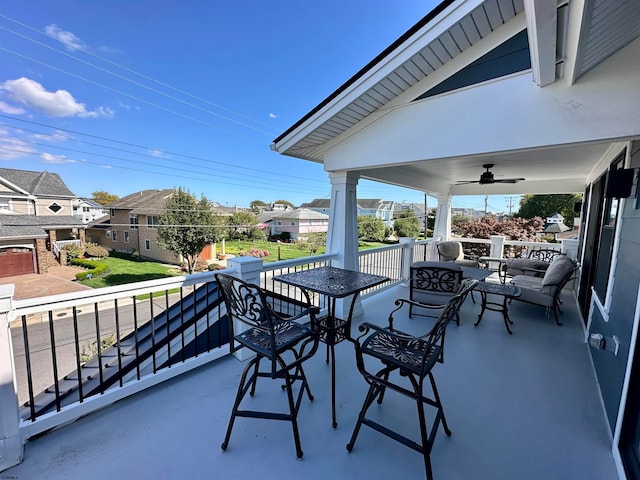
(138, 99)
(158, 82)
(208, 161)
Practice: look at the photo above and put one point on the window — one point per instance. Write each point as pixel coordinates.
(126, 236)
(54, 207)
(85, 209)
(112, 212)
(5, 205)
(108, 234)
(115, 236)
(147, 244)
(133, 221)
(152, 221)
(607, 237)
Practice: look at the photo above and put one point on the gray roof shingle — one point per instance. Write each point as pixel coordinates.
(37, 183)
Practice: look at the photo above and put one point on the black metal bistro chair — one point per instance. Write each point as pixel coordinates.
(432, 283)
(410, 357)
(283, 342)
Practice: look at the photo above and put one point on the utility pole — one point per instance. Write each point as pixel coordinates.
(425, 216)
(486, 203)
(511, 201)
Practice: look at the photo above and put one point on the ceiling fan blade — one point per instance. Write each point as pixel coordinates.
(466, 182)
(509, 180)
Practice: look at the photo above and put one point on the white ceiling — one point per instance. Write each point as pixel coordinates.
(570, 166)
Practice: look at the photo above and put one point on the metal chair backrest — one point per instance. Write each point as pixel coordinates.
(544, 254)
(247, 304)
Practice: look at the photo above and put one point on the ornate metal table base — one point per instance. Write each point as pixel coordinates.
(503, 290)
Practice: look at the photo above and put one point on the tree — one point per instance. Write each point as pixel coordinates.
(546, 205)
(285, 202)
(104, 198)
(256, 204)
(407, 225)
(370, 228)
(241, 224)
(313, 242)
(188, 225)
(521, 229)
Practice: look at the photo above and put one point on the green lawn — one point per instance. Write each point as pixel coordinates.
(123, 271)
(287, 251)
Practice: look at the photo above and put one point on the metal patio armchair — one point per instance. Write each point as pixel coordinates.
(281, 341)
(409, 357)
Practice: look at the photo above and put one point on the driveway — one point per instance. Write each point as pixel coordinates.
(59, 279)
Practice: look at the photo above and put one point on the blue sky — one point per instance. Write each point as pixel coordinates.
(122, 95)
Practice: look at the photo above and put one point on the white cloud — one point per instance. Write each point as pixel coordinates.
(10, 109)
(54, 104)
(12, 148)
(157, 153)
(273, 115)
(70, 41)
(57, 136)
(55, 159)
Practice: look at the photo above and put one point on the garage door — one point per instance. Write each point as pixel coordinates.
(15, 261)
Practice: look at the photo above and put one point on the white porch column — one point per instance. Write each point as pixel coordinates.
(11, 448)
(248, 269)
(342, 236)
(442, 227)
(407, 256)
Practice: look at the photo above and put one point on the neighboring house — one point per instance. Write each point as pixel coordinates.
(376, 208)
(485, 97)
(36, 220)
(132, 226)
(299, 223)
(88, 210)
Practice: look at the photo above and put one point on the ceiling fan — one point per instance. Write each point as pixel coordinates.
(487, 177)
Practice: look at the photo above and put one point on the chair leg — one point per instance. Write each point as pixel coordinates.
(294, 414)
(424, 436)
(372, 393)
(242, 390)
(255, 377)
(436, 397)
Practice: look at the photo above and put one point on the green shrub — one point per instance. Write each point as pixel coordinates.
(95, 250)
(215, 266)
(73, 251)
(95, 269)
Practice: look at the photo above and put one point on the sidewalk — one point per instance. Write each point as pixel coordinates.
(58, 280)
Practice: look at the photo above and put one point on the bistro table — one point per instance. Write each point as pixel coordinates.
(334, 283)
(507, 292)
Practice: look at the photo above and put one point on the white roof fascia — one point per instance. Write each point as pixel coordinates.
(14, 186)
(542, 32)
(432, 30)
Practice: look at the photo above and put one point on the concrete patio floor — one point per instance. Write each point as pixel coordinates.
(522, 406)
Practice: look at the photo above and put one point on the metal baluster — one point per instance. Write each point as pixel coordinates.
(54, 358)
(97, 315)
(135, 332)
(195, 321)
(153, 333)
(182, 322)
(117, 318)
(76, 337)
(166, 313)
(27, 358)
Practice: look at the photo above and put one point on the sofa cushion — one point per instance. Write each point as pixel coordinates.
(558, 269)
